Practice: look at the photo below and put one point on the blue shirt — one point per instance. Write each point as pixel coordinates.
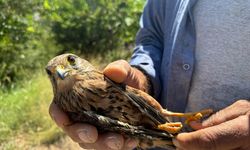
(164, 50)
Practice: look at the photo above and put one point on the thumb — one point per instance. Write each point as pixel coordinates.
(121, 72)
(118, 71)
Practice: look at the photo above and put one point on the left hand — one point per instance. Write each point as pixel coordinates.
(228, 129)
(87, 135)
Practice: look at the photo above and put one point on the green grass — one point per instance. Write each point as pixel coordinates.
(24, 118)
(24, 113)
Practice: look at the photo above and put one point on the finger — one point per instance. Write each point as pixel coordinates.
(58, 115)
(228, 135)
(121, 72)
(118, 71)
(82, 133)
(106, 142)
(113, 140)
(196, 125)
(130, 144)
(238, 108)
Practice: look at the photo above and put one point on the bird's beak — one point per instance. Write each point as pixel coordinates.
(61, 71)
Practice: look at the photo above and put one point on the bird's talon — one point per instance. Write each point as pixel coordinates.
(196, 117)
(174, 127)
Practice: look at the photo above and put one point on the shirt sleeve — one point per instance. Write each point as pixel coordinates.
(149, 43)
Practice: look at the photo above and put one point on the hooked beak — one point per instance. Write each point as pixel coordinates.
(61, 71)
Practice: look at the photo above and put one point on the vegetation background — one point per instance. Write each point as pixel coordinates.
(34, 31)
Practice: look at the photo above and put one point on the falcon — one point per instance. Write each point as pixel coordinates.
(88, 96)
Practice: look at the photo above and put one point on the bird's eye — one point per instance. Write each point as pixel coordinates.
(72, 59)
(48, 71)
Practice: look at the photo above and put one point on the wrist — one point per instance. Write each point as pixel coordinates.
(143, 81)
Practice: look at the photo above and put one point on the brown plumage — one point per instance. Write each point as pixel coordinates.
(88, 96)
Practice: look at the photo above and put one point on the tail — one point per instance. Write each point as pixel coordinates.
(148, 138)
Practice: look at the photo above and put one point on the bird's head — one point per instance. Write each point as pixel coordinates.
(63, 69)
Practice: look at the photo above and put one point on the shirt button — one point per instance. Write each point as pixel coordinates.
(186, 66)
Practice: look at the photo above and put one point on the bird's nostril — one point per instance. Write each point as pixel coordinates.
(48, 71)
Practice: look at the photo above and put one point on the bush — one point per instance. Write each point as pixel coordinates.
(95, 25)
(33, 31)
(23, 41)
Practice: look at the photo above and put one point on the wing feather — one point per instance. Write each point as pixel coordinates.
(141, 103)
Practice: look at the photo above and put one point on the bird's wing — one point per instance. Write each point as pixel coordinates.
(141, 103)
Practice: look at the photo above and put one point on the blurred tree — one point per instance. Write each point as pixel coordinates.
(32, 31)
(22, 39)
(94, 25)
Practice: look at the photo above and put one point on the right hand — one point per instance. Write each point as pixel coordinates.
(87, 135)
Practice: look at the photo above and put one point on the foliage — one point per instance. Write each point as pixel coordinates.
(23, 41)
(33, 31)
(27, 110)
(94, 25)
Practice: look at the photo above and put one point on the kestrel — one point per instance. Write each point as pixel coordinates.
(87, 95)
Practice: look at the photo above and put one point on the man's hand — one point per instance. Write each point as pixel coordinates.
(227, 129)
(87, 135)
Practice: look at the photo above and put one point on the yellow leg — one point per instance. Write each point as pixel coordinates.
(189, 116)
(174, 127)
(195, 117)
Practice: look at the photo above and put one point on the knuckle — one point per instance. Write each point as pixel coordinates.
(243, 126)
(242, 103)
(214, 119)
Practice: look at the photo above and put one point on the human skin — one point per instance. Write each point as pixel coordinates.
(87, 135)
(228, 129)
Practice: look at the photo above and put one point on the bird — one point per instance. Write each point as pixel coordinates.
(87, 95)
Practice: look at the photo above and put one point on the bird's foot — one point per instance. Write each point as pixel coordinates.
(195, 117)
(172, 128)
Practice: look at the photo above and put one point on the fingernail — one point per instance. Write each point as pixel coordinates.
(176, 143)
(113, 143)
(85, 136)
